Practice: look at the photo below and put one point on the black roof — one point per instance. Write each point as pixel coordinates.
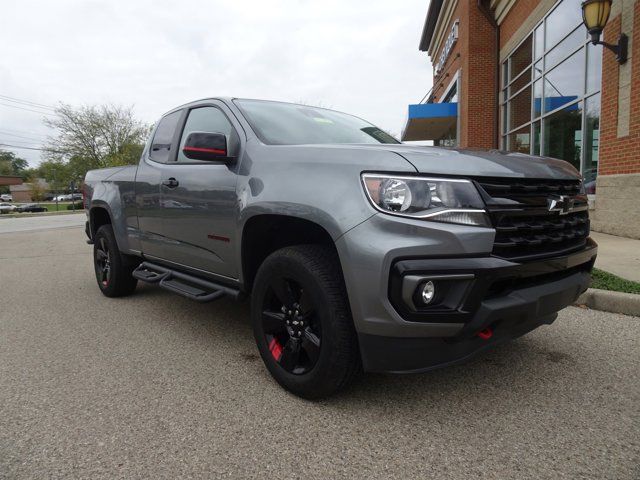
(430, 24)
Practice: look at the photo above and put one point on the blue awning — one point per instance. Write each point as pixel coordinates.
(430, 121)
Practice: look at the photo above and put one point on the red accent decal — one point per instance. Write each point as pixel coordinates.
(276, 349)
(219, 237)
(208, 150)
(485, 334)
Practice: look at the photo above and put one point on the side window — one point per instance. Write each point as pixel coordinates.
(210, 120)
(162, 138)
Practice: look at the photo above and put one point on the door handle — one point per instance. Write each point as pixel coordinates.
(171, 183)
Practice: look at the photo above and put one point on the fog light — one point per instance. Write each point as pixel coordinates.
(428, 292)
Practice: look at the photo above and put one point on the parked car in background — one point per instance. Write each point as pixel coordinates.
(76, 196)
(6, 197)
(62, 198)
(7, 208)
(30, 207)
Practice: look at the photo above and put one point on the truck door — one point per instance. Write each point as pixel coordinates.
(198, 198)
(147, 185)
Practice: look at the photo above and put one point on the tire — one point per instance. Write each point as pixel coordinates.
(302, 323)
(113, 270)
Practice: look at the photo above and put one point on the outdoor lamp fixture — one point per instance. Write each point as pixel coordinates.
(595, 14)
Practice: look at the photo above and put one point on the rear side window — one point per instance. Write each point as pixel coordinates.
(210, 120)
(161, 144)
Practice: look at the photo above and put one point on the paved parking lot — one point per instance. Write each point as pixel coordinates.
(40, 222)
(155, 386)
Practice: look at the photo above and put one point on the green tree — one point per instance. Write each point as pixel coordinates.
(37, 190)
(11, 164)
(57, 173)
(93, 137)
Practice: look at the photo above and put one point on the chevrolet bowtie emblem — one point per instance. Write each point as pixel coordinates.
(561, 204)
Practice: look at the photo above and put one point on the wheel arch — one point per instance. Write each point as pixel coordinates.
(99, 215)
(263, 234)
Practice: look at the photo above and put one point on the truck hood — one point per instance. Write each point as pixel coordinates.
(482, 163)
(490, 163)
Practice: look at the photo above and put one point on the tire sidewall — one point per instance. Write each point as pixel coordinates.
(289, 267)
(120, 282)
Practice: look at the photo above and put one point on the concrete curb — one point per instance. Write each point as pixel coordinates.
(40, 214)
(608, 301)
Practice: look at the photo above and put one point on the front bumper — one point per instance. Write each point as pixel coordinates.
(506, 297)
(507, 317)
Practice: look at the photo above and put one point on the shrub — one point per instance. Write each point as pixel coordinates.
(78, 206)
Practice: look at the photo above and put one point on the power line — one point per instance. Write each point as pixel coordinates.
(29, 143)
(39, 149)
(4, 132)
(28, 132)
(26, 148)
(29, 110)
(27, 102)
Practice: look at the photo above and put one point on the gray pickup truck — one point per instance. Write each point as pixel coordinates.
(358, 252)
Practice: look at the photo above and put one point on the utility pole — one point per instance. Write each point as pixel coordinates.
(55, 193)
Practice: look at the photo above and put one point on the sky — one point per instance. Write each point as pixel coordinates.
(356, 56)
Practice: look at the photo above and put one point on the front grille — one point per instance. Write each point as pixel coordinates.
(525, 228)
(534, 235)
(523, 187)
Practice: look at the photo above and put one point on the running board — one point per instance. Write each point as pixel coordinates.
(183, 284)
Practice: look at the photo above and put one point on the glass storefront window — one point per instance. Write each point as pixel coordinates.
(591, 142)
(536, 138)
(565, 83)
(505, 126)
(520, 109)
(551, 88)
(537, 98)
(594, 68)
(520, 140)
(566, 46)
(563, 134)
(563, 19)
(520, 82)
(539, 41)
(452, 95)
(520, 59)
(537, 69)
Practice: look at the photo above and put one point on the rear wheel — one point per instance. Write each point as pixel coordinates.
(301, 321)
(113, 270)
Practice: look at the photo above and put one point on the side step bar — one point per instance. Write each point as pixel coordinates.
(183, 284)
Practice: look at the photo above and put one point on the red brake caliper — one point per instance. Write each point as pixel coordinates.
(275, 348)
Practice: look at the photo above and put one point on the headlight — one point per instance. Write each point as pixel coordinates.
(448, 200)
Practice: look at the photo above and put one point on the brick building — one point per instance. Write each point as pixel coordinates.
(522, 76)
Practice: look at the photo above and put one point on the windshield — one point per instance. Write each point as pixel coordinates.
(291, 124)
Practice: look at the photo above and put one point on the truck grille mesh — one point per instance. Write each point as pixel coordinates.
(525, 228)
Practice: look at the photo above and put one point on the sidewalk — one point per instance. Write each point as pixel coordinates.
(618, 255)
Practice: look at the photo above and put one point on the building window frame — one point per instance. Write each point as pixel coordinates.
(452, 84)
(537, 70)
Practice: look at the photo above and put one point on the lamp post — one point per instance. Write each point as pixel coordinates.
(595, 15)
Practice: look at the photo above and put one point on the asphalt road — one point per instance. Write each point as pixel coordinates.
(41, 222)
(155, 386)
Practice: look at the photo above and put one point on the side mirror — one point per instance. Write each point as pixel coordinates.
(205, 146)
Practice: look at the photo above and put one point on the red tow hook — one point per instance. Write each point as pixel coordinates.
(485, 334)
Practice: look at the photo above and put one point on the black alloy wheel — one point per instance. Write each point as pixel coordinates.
(103, 262)
(292, 330)
(302, 323)
(113, 269)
